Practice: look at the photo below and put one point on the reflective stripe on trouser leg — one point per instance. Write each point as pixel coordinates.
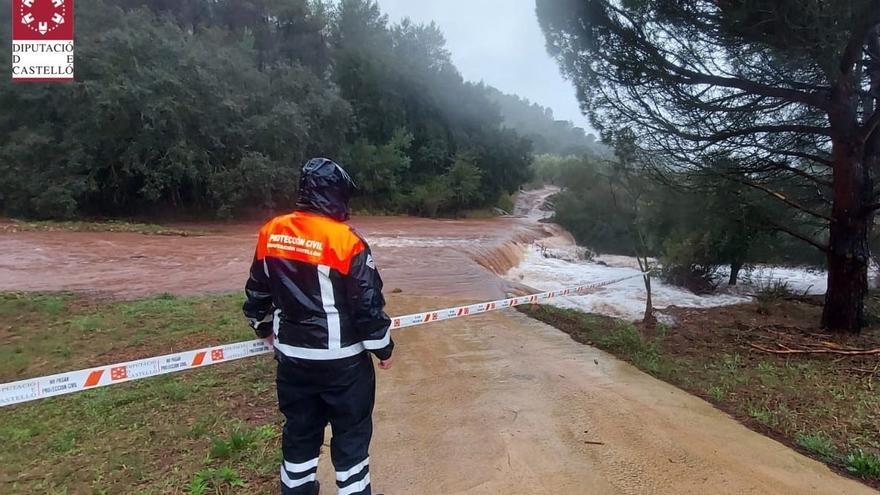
(355, 480)
(297, 478)
(296, 475)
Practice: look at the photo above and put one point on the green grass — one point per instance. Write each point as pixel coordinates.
(763, 414)
(73, 332)
(215, 480)
(863, 464)
(95, 226)
(240, 441)
(166, 435)
(819, 443)
(765, 368)
(717, 393)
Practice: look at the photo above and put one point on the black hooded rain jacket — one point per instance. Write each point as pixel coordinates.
(313, 282)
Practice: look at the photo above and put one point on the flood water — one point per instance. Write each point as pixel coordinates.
(458, 258)
(470, 259)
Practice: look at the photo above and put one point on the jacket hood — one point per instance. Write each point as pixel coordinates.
(325, 188)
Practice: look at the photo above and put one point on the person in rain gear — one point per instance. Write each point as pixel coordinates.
(313, 285)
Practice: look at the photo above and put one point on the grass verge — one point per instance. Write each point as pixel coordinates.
(96, 226)
(209, 431)
(826, 407)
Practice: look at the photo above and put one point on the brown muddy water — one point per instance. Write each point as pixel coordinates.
(453, 258)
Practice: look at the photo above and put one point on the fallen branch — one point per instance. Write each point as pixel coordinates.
(846, 352)
(834, 345)
(863, 370)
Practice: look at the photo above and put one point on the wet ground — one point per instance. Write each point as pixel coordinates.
(490, 404)
(501, 403)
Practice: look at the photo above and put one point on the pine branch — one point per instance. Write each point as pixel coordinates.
(786, 350)
(797, 235)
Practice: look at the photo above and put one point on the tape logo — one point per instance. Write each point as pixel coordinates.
(118, 373)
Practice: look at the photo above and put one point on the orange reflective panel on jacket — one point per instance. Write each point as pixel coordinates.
(309, 238)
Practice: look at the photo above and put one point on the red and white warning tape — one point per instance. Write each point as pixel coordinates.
(101, 376)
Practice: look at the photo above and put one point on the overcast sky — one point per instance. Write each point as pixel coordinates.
(499, 42)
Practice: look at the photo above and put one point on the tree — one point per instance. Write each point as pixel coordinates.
(700, 221)
(379, 170)
(402, 77)
(463, 181)
(163, 121)
(194, 108)
(790, 89)
(624, 176)
(549, 135)
(587, 207)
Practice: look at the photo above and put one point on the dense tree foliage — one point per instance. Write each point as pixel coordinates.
(548, 135)
(695, 225)
(785, 89)
(202, 108)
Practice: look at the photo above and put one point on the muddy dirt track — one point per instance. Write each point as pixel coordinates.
(490, 404)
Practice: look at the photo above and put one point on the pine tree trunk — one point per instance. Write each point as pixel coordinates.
(735, 267)
(848, 252)
(847, 283)
(649, 319)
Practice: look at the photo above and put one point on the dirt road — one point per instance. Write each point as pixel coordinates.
(484, 405)
(503, 404)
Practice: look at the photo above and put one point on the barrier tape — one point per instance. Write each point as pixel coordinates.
(102, 376)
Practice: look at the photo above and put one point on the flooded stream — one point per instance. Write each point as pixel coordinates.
(464, 259)
(455, 258)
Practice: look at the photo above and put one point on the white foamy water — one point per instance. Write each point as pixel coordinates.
(420, 241)
(624, 300)
(798, 280)
(533, 203)
(556, 262)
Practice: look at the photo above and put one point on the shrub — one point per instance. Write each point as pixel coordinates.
(506, 202)
(699, 279)
(818, 443)
(688, 263)
(774, 291)
(864, 464)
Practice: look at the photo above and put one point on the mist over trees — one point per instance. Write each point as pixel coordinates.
(200, 108)
(778, 96)
(548, 135)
